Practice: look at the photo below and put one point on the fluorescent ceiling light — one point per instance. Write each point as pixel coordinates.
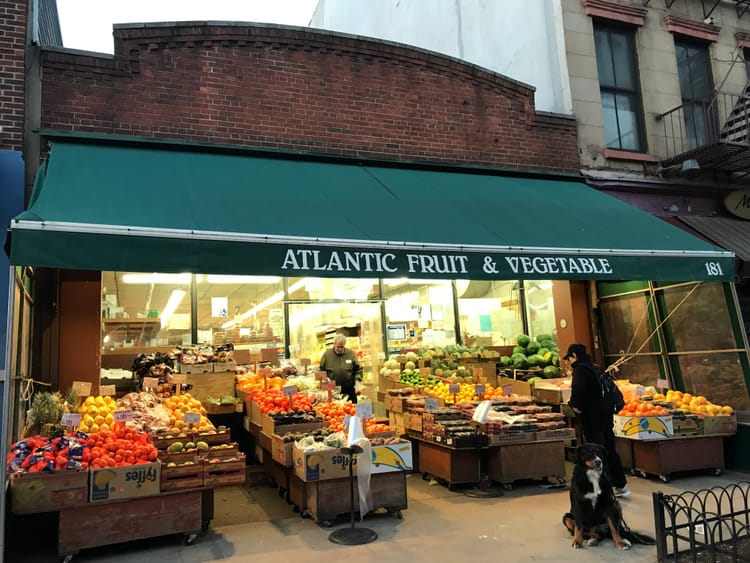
(275, 298)
(174, 279)
(212, 278)
(174, 301)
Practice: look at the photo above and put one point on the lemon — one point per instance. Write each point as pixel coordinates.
(94, 428)
(109, 419)
(99, 401)
(92, 410)
(83, 428)
(104, 427)
(89, 400)
(88, 420)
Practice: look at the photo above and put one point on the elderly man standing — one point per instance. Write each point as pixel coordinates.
(342, 367)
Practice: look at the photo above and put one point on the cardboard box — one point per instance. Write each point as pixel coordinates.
(45, 492)
(720, 424)
(128, 481)
(519, 387)
(414, 421)
(320, 465)
(282, 452)
(207, 385)
(691, 425)
(269, 426)
(553, 391)
(561, 434)
(255, 415)
(397, 421)
(396, 403)
(195, 368)
(392, 457)
(644, 427)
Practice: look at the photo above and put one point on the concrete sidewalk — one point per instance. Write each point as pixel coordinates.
(255, 524)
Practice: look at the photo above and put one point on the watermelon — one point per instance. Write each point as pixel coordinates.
(532, 347)
(551, 371)
(505, 361)
(523, 340)
(519, 350)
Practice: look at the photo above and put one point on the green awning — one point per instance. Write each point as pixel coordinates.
(140, 207)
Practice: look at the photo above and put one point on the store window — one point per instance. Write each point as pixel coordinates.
(419, 314)
(687, 335)
(241, 310)
(696, 88)
(145, 310)
(619, 87)
(490, 312)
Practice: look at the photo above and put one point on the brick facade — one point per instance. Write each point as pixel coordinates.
(12, 92)
(303, 90)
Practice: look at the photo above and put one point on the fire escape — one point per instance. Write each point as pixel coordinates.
(711, 134)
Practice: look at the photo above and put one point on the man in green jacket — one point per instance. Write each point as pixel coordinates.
(342, 367)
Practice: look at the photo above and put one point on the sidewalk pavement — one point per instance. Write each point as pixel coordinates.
(253, 524)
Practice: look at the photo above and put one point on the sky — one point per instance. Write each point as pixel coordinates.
(87, 24)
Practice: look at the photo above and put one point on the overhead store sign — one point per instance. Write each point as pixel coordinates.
(135, 207)
(738, 203)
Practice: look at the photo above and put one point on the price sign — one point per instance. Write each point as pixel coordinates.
(480, 389)
(105, 390)
(321, 375)
(123, 416)
(424, 372)
(364, 410)
(289, 390)
(662, 384)
(327, 385)
(266, 372)
(508, 390)
(640, 391)
(304, 362)
(178, 379)
(70, 419)
(431, 404)
(82, 388)
(192, 418)
(150, 383)
(454, 388)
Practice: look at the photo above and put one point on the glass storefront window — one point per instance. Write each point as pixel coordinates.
(145, 310)
(242, 310)
(540, 307)
(319, 289)
(700, 307)
(626, 323)
(490, 312)
(717, 377)
(419, 314)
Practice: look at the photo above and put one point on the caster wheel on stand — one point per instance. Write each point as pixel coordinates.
(190, 539)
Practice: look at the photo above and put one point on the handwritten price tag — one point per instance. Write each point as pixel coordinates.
(192, 418)
(431, 404)
(477, 372)
(364, 410)
(662, 384)
(480, 389)
(327, 385)
(70, 419)
(454, 388)
(179, 378)
(425, 372)
(321, 375)
(266, 372)
(123, 416)
(507, 390)
(82, 388)
(105, 390)
(289, 390)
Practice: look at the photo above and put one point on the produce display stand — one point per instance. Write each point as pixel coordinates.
(455, 466)
(99, 524)
(686, 453)
(327, 500)
(527, 460)
(278, 473)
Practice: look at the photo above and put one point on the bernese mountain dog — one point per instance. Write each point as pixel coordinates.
(596, 512)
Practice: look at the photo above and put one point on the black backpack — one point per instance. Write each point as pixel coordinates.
(612, 399)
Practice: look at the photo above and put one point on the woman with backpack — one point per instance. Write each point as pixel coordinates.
(595, 411)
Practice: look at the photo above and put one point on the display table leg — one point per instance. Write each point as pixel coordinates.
(485, 489)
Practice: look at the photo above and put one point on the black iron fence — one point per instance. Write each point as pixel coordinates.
(710, 525)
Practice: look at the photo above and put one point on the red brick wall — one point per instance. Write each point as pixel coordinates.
(304, 90)
(12, 43)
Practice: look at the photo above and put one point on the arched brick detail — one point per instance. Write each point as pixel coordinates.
(304, 90)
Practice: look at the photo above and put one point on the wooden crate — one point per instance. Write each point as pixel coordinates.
(47, 492)
(326, 500)
(453, 465)
(181, 477)
(225, 473)
(212, 408)
(533, 460)
(689, 453)
(161, 441)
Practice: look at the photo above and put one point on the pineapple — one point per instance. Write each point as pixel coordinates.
(45, 414)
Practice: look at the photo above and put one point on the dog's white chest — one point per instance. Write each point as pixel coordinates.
(594, 475)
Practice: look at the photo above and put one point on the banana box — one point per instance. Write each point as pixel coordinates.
(321, 465)
(392, 457)
(127, 481)
(644, 427)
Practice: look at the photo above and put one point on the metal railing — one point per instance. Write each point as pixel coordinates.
(723, 119)
(711, 525)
